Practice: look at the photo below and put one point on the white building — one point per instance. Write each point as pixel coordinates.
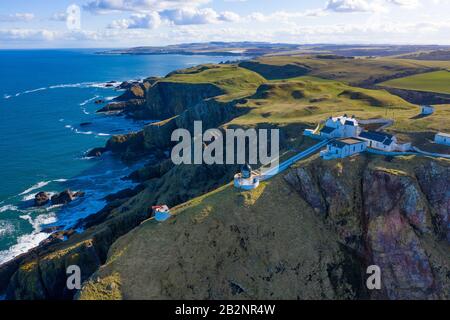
(343, 148)
(442, 138)
(161, 212)
(427, 110)
(246, 179)
(383, 141)
(341, 127)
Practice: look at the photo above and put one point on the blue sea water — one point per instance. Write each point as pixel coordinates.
(44, 97)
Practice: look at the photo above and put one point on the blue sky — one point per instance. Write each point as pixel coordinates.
(125, 23)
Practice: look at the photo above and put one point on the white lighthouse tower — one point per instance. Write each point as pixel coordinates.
(246, 179)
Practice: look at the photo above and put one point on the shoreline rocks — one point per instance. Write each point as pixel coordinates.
(96, 152)
(66, 197)
(42, 198)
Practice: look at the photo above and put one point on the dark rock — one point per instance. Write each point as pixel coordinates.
(124, 194)
(84, 124)
(63, 197)
(99, 101)
(41, 198)
(51, 229)
(79, 194)
(96, 152)
(66, 196)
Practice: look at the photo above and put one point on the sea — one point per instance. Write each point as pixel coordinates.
(45, 97)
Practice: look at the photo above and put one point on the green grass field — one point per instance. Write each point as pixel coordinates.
(438, 82)
(235, 81)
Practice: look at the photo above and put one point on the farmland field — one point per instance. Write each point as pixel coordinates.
(438, 82)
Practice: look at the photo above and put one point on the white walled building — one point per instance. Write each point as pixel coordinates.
(427, 110)
(442, 138)
(383, 141)
(341, 127)
(343, 148)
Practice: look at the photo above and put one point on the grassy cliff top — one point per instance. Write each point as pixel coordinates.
(235, 81)
(352, 71)
(438, 81)
(310, 100)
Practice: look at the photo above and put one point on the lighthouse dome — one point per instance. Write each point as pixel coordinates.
(246, 171)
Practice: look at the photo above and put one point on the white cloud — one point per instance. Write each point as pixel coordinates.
(17, 17)
(138, 21)
(113, 6)
(352, 6)
(59, 16)
(405, 3)
(185, 16)
(26, 34)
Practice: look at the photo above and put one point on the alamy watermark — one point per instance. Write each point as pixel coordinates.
(374, 280)
(73, 277)
(73, 17)
(234, 146)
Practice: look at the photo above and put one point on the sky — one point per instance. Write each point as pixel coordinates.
(129, 23)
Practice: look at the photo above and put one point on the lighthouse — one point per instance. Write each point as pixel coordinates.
(247, 179)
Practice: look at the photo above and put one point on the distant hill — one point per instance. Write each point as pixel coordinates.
(254, 49)
(438, 55)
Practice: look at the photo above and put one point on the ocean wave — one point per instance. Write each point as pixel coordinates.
(77, 131)
(39, 185)
(104, 85)
(6, 228)
(24, 243)
(85, 102)
(36, 186)
(8, 207)
(31, 196)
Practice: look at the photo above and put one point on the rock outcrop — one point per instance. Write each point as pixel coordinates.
(66, 197)
(41, 198)
(389, 214)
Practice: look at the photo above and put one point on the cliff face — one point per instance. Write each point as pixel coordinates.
(167, 99)
(309, 234)
(156, 137)
(395, 217)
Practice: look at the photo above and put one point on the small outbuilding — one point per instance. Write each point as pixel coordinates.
(343, 148)
(442, 138)
(161, 212)
(427, 110)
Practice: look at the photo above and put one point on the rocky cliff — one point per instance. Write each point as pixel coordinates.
(308, 234)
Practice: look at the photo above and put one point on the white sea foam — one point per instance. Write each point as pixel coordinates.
(83, 132)
(29, 241)
(38, 185)
(89, 100)
(24, 243)
(6, 228)
(67, 85)
(8, 207)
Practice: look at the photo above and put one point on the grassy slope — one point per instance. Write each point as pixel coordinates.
(202, 235)
(307, 100)
(347, 70)
(438, 81)
(231, 235)
(235, 81)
